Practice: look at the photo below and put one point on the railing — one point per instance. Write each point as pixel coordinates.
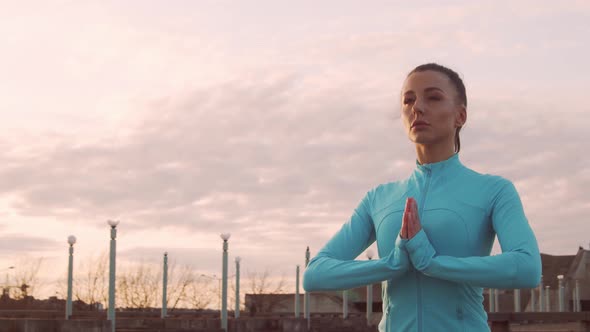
(501, 322)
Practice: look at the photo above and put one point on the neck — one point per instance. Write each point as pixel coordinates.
(432, 153)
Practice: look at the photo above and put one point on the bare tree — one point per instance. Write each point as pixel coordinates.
(25, 278)
(138, 286)
(261, 284)
(91, 280)
(201, 292)
(180, 280)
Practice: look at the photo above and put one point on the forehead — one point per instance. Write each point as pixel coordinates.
(419, 81)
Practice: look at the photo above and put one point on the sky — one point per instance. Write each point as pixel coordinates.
(270, 120)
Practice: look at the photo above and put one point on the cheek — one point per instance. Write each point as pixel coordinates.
(445, 121)
(405, 115)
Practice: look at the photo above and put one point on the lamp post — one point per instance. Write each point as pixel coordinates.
(369, 294)
(237, 311)
(306, 297)
(541, 297)
(547, 299)
(345, 304)
(297, 292)
(560, 294)
(165, 286)
(112, 265)
(577, 304)
(224, 237)
(71, 242)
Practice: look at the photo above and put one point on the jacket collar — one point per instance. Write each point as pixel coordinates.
(450, 163)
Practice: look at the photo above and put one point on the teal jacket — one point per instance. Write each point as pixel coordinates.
(434, 281)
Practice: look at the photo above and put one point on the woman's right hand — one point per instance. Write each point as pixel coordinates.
(410, 220)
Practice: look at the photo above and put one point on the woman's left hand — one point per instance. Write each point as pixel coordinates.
(410, 221)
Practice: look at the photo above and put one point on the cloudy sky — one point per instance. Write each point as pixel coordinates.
(270, 120)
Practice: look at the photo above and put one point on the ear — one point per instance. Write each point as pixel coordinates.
(461, 117)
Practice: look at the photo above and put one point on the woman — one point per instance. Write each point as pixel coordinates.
(435, 229)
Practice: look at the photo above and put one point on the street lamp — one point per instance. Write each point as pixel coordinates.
(369, 293)
(165, 286)
(237, 312)
(224, 237)
(541, 297)
(577, 303)
(112, 265)
(297, 292)
(560, 293)
(306, 296)
(71, 242)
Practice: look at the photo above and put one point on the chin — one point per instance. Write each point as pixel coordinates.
(421, 139)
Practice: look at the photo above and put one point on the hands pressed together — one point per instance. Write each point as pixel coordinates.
(420, 252)
(410, 221)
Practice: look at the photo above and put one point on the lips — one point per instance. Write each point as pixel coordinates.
(419, 123)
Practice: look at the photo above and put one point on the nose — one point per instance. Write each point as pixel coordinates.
(418, 107)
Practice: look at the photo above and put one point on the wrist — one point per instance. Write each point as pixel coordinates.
(420, 250)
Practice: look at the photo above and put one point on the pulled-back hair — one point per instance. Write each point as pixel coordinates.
(455, 80)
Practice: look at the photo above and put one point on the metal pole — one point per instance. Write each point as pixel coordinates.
(517, 300)
(575, 309)
(306, 299)
(496, 300)
(345, 304)
(237, 311)
(224, 288)
(541, 297)
(491, 300)
(112, 266)
(560, 293)
(547, 300)
(533, 300)
(577, 296)
(297, 292)
(369, 303)
(165, 287)
(70, 277)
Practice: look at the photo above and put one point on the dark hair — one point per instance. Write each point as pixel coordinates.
(457, 82)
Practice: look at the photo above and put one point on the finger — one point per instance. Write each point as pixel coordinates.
(415, 213)
(405, 219)
(404, 229)
(409, 203)
(412, 225)
(409, 225)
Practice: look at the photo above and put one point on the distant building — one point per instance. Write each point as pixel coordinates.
(319, 302)
(572, 267)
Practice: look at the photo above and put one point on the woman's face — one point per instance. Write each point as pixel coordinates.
(431, 112)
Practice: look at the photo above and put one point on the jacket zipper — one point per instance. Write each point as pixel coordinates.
(418, 280)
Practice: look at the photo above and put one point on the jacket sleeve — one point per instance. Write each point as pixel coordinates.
(518, 266)
(334, 267)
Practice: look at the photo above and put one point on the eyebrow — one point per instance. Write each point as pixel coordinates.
(428, 89)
